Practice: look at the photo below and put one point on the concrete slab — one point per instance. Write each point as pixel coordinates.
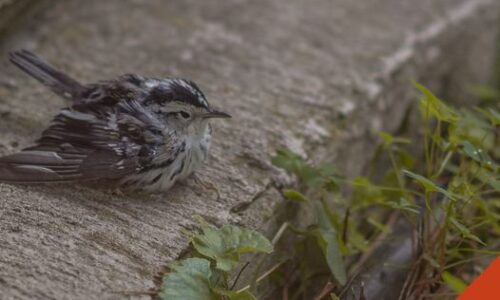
(316, 76)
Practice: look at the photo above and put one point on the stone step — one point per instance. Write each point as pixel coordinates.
(316, 76)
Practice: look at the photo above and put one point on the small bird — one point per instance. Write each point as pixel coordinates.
(133, 133)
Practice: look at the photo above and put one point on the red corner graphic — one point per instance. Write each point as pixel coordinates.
(486, 286)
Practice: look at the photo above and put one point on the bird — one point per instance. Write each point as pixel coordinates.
(130, 133)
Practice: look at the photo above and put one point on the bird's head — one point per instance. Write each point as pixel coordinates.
(183, 105)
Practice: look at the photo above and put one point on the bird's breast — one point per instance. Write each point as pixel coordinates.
(161, 177)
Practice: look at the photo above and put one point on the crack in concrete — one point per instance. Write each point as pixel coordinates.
(243, 206)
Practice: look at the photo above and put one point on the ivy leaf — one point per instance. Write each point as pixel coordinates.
(457, 284)
(225, 245)
(189, 280)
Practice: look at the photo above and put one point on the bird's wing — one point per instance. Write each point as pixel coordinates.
(80, 146)
(111, 92)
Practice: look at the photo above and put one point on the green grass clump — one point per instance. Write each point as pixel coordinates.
(447, 189)
(444, 184)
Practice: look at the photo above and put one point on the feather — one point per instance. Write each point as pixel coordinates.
(39, 166)
(42, 166)
(57, 81)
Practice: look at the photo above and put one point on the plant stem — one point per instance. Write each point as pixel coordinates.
(261, 277)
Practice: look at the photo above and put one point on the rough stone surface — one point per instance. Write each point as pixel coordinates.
(316, 76)
(13, 12)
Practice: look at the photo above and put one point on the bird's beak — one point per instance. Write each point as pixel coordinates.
(216, 114)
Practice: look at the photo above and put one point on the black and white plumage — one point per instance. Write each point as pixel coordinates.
(135, 132)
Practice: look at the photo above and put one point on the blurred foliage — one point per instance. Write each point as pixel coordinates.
(446, 185)
(453, 189)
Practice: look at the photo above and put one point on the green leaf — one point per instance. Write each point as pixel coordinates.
(308, 175)
(474, 129)
(455, 283)
(403, 204)
(479, 155)
(379, 226)
(471, 151)
(231, 295)
(491, 114)
(189, 280)
(334, 297)
(406, 159)
(327, 241)
(432, 105)
(295, 196)
(326, 237)
(311, 176)
(245, 295)
(357, 239)
(485, 92)
(225, 245)
(331, 185)
(428, 185)
(288, 160)
(466, 233)
(365, 192)
(491, 178)
(390, 139)
(431, 261)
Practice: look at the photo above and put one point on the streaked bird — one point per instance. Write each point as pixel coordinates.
(133, 132)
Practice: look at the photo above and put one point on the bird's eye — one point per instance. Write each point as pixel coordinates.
(184, 114)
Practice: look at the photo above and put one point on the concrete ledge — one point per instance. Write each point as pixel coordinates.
(285, 69)
(14, 12)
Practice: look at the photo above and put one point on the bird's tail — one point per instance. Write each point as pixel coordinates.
(57, 81)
